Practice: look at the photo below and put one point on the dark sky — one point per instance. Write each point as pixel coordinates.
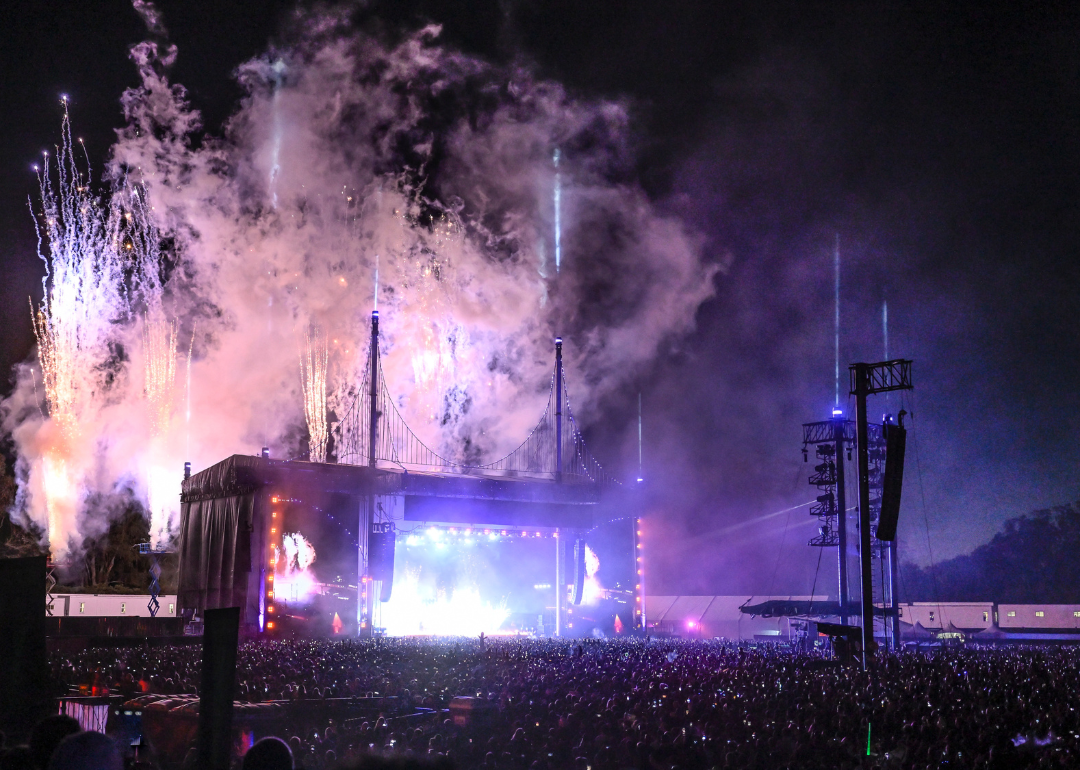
(938, 141)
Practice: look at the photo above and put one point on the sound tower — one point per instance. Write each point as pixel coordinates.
(579, 570)
(895, 444)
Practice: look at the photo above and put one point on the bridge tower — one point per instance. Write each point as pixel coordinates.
(365, 597)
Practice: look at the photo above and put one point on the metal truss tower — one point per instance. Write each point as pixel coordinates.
(866, 380)
(833, 439)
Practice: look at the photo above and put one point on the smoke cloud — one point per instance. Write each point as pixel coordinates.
(355, 172)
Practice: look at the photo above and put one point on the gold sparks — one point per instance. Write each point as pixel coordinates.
(57, 355)
(159, 345)
(313, 362)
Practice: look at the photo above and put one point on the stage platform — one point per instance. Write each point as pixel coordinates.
(234, 515)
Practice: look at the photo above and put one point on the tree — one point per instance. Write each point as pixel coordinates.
(15, 541)
(1033, 559)
(112, 558)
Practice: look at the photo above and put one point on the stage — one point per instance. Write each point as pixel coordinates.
(325, 549)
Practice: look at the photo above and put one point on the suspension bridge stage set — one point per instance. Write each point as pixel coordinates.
(238, 517)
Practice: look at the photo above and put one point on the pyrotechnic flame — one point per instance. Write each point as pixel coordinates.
(293, 581)
(313, 364)
(60, 501)
(592, 589)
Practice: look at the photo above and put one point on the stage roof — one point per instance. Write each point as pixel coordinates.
(429, 496)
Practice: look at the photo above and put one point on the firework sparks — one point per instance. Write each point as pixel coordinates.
(313, 364)
(79, 241)
(159, 345)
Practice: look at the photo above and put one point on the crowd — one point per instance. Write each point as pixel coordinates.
(610, 705)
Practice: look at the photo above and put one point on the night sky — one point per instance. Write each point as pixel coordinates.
(938, 143)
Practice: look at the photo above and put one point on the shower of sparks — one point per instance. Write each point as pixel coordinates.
(159, 343)
(313, 364)
(57, 377)
(79, 244)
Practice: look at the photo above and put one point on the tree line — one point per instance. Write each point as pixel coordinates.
(108, 561)
(1033, 559)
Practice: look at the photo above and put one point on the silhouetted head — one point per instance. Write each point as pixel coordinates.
(87, 751)
(47, 734)
(269, 754)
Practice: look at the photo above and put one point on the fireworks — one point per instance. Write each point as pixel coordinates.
(80, 244)
(255, 241)
(82, 285)
(159, 347)
(313, 364)
(56, 372)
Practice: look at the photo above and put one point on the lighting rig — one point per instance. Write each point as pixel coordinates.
(834, 441)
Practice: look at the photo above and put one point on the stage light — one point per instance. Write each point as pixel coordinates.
(837, 412)
(270, 625)
(273, 530)
(270, 578)
(273, 499)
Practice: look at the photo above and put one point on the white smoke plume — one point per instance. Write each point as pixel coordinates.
(353, 163)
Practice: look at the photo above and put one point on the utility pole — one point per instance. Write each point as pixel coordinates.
(866, 380)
